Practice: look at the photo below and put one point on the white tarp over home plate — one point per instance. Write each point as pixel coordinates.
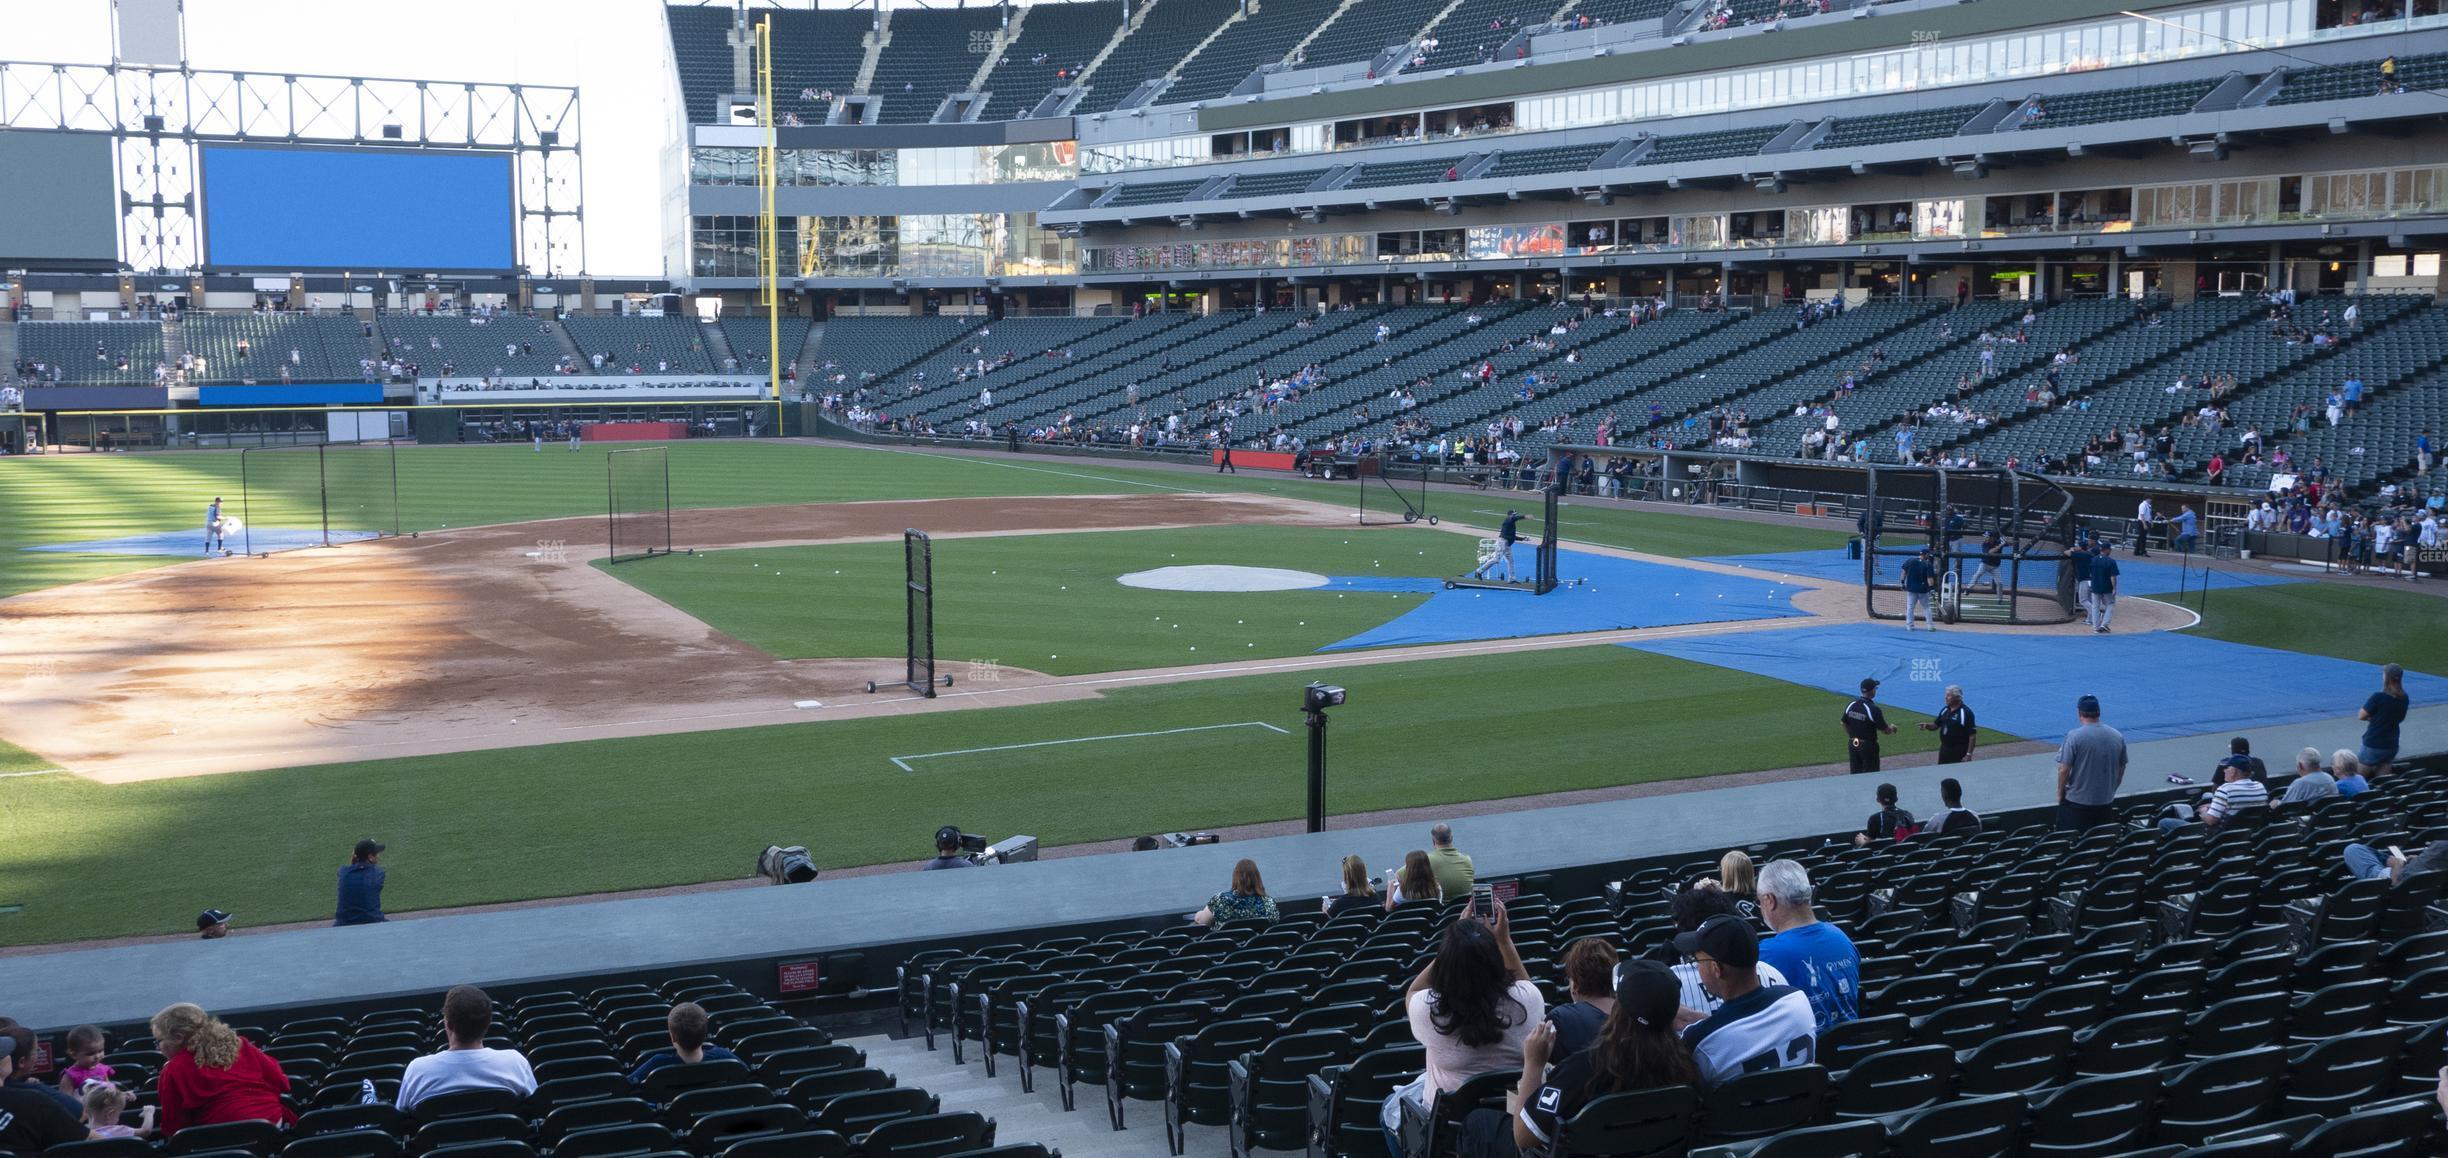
(1214, 577)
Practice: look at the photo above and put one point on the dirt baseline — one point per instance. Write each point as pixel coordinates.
(487, 637)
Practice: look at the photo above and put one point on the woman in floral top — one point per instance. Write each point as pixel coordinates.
(1246, 900)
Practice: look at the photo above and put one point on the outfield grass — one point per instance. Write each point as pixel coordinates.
(67, 498)
(634, 813)
(16, 759)
(1050, 602)
(2349, 621)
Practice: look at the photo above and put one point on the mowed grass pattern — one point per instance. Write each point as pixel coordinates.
(1052, 603)
(537, 822)
(2369, 624)
(69, 498)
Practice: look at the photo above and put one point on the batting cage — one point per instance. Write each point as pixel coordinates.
(1993, 541)
(1386, 500)
(1525, 564)
(918, 595)
(313, 496)
(637, 502)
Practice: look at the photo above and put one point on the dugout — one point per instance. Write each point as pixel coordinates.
(1949, 512)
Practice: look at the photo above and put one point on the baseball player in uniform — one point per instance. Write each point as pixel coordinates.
(1506, 537)
(1864, 723)
(212, 528)
(1992, 554)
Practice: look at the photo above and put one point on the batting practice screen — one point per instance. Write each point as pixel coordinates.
(315, 496)
(918, 558)
(638, 498)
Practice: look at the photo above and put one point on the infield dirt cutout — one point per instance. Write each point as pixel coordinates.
(504, 636)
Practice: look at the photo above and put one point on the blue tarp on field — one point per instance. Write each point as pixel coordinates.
(2134, 576)
(2152, 685)
(257, 539)
(1617, 594)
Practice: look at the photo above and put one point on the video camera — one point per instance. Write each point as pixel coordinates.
(1009, 850)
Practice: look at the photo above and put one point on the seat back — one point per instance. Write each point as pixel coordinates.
(801, 1144)
(852, 1115)
(1343, 1114)
(2392, 1128)
(2100, 1115)
(2016, 1062)
(254, 1135)
(928, 1136)
(1632, 1124)
(1845, 1043)
(1978, 1127)
(1894, 1081)
(2219, 1094)
(670, 1081)
(1756, 1105)
(712, 1132)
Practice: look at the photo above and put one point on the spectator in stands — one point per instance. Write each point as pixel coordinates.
(2349, 773)
(948, 851)
(1357, 891)
(2368, 863)
(1689, 910)
(2090, 766)
(2242, 746)
(1814, 956)
(1415, 882)
(1589, 980)
(1470, 1009)
(212, 924)
(1951, 816)
(84, 1047)
(1738, 879)
(2237, 791)
(30, 1117)
(689, 1029)
(213, 1075)
(1635, 1049)
(1455, 875)
(104, 1105)
(1245, 901)
(469, 1064)
(2312, 782)
(1890, 822)
(21, 1055)
(1756, 1027)
(361, 885)
(2383, 712)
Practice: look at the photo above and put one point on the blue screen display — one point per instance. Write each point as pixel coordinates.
(370, 210)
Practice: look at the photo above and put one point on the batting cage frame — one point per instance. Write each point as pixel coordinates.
(1371, 473)
(647, 470)
(1947, 514)
(918, 611)
(320, 495)
(1542, 558)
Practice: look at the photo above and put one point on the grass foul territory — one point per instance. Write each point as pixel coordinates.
(2374, 625)
(504, 826)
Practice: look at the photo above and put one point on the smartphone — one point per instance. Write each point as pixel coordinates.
(2396, 852)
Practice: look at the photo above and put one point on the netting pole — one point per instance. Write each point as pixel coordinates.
(246, 505)
(323, 489)
(611, 509)
(667, 504)
(392, 450)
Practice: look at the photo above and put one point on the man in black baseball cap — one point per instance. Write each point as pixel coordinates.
(212, 924)
(361, 885)
(1864, 723)
(1759, 1027)
(948, 850)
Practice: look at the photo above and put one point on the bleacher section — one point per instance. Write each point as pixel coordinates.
(647, 343)
(1273, 184)
(2360, 79)
(1367, 28)
(1261, 38)
(1558, 159)
(69, 346)
(702, 53)
(1710, 146)
(1155, 192)
(933, 52)
(327, 348)
(1477, 26)
(1067, 35)
(1429, 170)
(2401, 367)
(1938, 336)
(1888, 128)
(751, 336)
(858, 347)
(2118, 104)
(817, 50)
(1166, 33)
(468, 345)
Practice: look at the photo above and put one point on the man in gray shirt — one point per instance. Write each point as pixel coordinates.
(2090, 765)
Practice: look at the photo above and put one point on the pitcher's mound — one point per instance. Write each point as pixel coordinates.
(1213, 577)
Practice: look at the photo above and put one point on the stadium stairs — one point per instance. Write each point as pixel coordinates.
(718, 347)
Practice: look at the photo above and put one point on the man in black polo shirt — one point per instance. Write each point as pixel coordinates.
(1864, 723)
(1957, 731)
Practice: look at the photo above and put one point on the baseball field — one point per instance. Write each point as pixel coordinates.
(519, 720)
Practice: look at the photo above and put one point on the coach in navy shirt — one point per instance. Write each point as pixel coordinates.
(361, 885)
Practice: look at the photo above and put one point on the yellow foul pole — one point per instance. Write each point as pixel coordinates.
(769, 258)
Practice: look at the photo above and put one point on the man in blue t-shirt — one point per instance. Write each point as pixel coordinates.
(1917, 592)
(2188, 526)
(1815, 957)
(2103, 588)
(2078, 564)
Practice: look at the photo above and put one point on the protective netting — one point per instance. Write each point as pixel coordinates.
(638, 499)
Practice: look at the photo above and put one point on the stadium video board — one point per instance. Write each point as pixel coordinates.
(367, 210)
(58, 200)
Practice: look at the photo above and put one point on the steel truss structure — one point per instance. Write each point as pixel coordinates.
(160, 116)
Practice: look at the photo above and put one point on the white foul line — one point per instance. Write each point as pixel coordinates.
(902, 762)
(39, 772)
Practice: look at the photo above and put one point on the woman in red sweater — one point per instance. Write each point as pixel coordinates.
(213, 1075)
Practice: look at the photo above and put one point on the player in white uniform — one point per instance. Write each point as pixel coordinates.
(212, 528)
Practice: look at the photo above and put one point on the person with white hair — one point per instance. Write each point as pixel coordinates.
(1815, 957)
(2312, 782)
(2349, 773)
